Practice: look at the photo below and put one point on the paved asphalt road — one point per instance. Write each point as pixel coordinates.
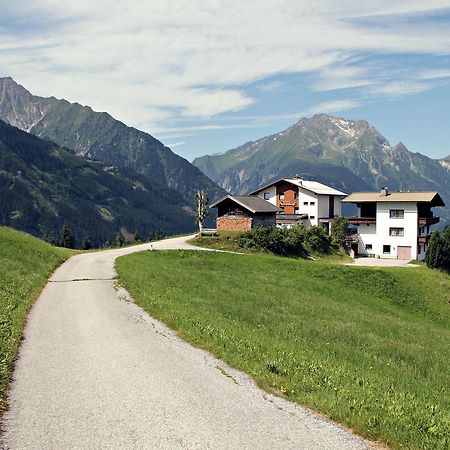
(96, 372)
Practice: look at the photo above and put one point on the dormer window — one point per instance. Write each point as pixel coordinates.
(266, 196)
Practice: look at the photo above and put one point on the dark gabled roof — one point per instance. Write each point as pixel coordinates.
(291, 217)
(252, 203)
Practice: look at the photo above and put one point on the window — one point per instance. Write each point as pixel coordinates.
(368, 246)
(266, 195)
(305, 203)
(397, 213)
(387, 249)
(312, 217)
(312, 203)
(297, 211)
(295, 195)
(396, 231)
(281, 195)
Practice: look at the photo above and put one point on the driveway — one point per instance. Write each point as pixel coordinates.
(379, 262)
(96, 372)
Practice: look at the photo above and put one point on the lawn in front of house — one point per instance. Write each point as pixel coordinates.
(368, 347)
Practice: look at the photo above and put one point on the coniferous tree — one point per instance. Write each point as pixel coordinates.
(118, 240)
(437, 250)
(446, 249)
(86, 244)
(339, 228)
(66, 239)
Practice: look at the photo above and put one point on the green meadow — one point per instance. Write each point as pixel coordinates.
(25, 265)
(369, 348)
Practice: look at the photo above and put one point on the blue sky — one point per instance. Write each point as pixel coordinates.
(206, 76)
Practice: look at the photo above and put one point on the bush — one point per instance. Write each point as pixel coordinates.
(339, 228)
(438, 251)
(297, 241)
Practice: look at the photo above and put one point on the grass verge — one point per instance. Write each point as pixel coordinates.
(25, 265)
(224, 240)
(367, 347)
(228, 241)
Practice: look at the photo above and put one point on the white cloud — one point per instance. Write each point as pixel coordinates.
(155, 61)
(434, 74)
(175, 144)
(333, 106)
(399, 88)
(272, 86)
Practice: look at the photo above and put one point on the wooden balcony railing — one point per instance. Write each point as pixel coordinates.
(362, 220)
(425, 221)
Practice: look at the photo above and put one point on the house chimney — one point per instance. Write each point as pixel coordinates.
(384, 192)
(299, 178)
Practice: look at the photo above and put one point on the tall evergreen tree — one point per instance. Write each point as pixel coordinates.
(66, 238)
(339, 228)
(435, 254)
(118, 240)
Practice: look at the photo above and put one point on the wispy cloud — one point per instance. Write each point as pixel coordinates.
(434, 74)
(272, 86)
(399, 88)
(175, 144)
(156, 61)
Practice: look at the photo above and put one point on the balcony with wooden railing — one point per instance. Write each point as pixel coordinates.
(425, 221)
(362, 220)
(423, 239)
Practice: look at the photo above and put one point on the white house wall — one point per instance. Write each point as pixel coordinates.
(305, 196)
(368, 235)
(337, 206)
(379, 235)
(272, 191)
(319, 208)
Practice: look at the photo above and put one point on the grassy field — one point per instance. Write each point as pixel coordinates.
(25, 265)
(367, 347)
(224, 240)
(228, 241)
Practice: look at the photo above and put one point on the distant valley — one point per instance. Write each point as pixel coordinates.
(43, 185)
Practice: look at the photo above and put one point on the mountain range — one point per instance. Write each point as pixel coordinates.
(98, 136)
(43, 185)
(154, 187)
(350, 155)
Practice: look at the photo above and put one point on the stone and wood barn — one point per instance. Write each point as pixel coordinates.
(244, 212)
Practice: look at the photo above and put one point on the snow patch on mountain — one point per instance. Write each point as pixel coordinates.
(345, 125)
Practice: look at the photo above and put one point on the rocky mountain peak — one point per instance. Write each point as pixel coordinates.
(342, 131)
(18, 107)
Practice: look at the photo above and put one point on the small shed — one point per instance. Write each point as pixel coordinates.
(244, 212)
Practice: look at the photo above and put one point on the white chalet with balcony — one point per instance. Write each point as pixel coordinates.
(302, 201)
(393, 224)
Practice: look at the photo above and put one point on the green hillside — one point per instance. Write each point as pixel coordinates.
(97, 135)
(43, 185)
(367, 347)
(25, 265)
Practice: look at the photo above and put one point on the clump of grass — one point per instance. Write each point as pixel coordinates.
(25, 265)
(367, 347)
(223, 240)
